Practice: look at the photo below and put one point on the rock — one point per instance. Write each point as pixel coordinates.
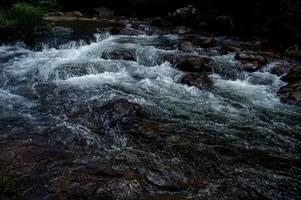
(118, 112)
(279, 69)
(224, 49)
(103, 12)
(250, 57)
(131, 31)
(73, 14)
(119, 55)
(55, 14)
(163, 197)
(161, 22)
(187, 46)
(250, 62)
(183, 13)
(195, 64)
(208, 42)
(183, 30)
(291, 93)
(293, 51)
(169, 58)
(250, 66)
(150, 129)
(66, 71)
(293, 75)
(200, 81)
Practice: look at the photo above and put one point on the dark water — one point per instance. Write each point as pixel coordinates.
(236, 141)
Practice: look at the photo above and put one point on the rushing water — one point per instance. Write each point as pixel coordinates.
(238, 139)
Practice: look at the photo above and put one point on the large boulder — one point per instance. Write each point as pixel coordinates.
(103, 12)
(293, 75)
(201, 81)
(119, 55)
(195, 64)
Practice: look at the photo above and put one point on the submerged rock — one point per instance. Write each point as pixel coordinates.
(200, 81)
(119, 55)
(195, 64)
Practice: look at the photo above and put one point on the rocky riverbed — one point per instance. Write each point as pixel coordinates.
(124, 109)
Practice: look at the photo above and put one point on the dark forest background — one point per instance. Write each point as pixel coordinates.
(277, 19)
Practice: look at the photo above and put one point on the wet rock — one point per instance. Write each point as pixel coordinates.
(161, 22)
(71, 70)
(119, 112)
(224, 49)
(293, 75)
(187, 46)
(150, 129)
(184, 13)
(195, 64)
(279, 69)
(293, 51)
(163, 197)
(183, 30)
(291, 93)
(103, 13)
(250, 66)
(208, 42)
(200, 81)
(73, 14)
(250, 62)
(169, 58)
(119, 55)
(55, 14)
(249, 57)
(131, 31)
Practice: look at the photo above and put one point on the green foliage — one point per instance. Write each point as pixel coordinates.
(26, 17)
(23, 21)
